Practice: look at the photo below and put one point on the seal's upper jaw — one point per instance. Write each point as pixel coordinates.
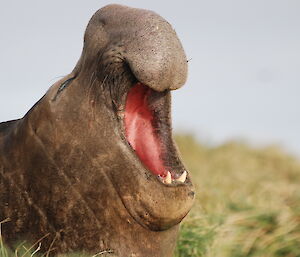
(146, 42)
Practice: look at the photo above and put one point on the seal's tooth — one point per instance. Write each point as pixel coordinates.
(168, 178)
(182, 178)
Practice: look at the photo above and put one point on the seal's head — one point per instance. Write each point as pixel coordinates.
(131, 60)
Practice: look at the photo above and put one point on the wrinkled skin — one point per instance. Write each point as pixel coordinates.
(68, 174)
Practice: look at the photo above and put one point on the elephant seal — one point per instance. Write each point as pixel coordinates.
(92, 166)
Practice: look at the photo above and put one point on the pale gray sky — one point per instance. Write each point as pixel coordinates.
(244, 79)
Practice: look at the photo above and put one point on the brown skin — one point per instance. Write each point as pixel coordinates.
(67, 171)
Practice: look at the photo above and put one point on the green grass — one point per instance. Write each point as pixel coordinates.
(247, 203)
(22, 250)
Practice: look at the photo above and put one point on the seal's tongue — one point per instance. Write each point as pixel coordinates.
(139, 129)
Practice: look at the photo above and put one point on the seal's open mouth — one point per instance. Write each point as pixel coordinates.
(148, 130)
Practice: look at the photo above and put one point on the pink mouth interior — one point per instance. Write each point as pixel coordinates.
(139, 130)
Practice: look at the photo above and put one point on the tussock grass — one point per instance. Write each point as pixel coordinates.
(3, 251)
(247, 203)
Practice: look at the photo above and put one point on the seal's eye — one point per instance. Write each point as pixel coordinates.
(63, 86)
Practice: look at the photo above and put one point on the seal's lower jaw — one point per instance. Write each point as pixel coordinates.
(148, 131)
(154, 187)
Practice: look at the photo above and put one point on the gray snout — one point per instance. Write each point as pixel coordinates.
(150, 46)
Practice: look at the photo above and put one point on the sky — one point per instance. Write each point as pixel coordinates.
(244, 62)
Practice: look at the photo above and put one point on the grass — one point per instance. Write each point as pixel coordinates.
(247, 204)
